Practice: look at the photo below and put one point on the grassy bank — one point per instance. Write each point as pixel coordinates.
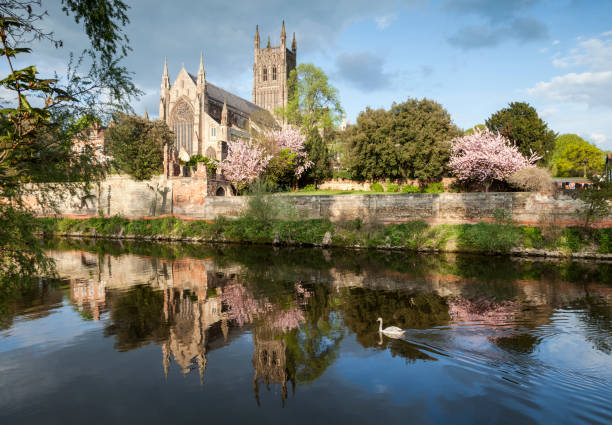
(500, 237)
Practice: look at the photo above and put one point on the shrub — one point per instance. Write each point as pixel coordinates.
(532, 179)
(437, 187)
(392, 188)
(411, 189)
(376, 187)
(309, 188)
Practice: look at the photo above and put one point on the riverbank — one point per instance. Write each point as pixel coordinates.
(502, 237)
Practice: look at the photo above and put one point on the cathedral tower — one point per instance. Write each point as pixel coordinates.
(271, 68)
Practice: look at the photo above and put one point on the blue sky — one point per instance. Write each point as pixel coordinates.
(472, 56)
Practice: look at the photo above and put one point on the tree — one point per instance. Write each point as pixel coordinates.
(486, 156)
(245, 161)
(574, 156)
(313, 102)
(476, 127)
(411, 140)
(596, 197)
(137, 145)
(520, 123)
(38, 127)
(318, 152)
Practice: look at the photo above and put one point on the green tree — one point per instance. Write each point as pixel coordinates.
(596, 198)
(476, 127)
(137, 145)
(313, 102)
(318, 153)
(44, 116)
(574, 156)
(520, 123)
(411, 140)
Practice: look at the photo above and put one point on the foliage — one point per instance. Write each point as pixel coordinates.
(574, 156)
(532, 179)
(318, 153)
(596, 197)
(137, 145)
(435, 187)
(411, 189)
(45, 116)
(471, 131)
(377, 187)
(410, 140)
(393, 188)
(210, 163)
(485, 157)
(244, 163)
(313, 102)
(520, 124)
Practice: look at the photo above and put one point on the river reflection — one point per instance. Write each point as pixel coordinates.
(247, 334)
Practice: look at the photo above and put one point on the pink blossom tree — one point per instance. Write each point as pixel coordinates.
(291, 138)
(485, 156)
(245, 161)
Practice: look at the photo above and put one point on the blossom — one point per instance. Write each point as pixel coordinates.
(292, 139)
(244, 162)
(486, 156)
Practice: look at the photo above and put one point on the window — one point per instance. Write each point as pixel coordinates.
(274, 73)
(182, 126)
(213, 131)
(265, 74)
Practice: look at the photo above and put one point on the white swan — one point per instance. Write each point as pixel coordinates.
(391, 331)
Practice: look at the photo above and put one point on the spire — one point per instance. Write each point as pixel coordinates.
(224, 114)
(294, 43)
(257, 42)
(146, 115)
(201, 72)
(283, 35)
(269, 45)
(165, 76)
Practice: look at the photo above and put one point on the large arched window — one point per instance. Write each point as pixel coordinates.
(182, 126)
(274, 73)
(264, 75)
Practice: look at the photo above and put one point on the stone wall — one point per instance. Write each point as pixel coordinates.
(187, 197)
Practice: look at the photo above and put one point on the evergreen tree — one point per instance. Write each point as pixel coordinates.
(520, 123)
(318, 153)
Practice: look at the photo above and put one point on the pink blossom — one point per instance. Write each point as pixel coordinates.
(244, 162)
(486, 156)
(291, 138)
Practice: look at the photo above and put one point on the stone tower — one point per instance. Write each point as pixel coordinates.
(271, 68)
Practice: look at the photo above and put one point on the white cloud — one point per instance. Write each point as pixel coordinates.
(555, 42)
(594, 53)
(383, 22)
(599, 138)
(591, 88)
(607, 33)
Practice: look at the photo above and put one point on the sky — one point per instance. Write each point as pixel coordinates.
(472, 56)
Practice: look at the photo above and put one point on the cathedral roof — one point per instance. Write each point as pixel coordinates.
(234, 102)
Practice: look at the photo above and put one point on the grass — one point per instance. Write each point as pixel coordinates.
(501, 237)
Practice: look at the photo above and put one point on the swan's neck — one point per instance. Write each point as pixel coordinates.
(380, 326)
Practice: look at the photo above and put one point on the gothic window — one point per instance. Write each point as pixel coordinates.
(182, 126)
(210, 153)
(213, 131)
(274, 73)
(265, 74)
(223, 150)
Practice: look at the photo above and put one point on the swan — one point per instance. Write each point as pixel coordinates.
(391, 331)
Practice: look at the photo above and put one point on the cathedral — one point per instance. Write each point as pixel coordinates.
(204, 117)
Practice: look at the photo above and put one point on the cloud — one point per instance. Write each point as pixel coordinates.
(383, 22)
(590, 88)
(363, 70)
(555, 42)
(502, 22)
(599, 138)
(594, 54)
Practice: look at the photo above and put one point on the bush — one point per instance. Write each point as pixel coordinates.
(437, 187)
(376, 187)
(532, 179)
(392, 188)
(411, 189)
(308, 188)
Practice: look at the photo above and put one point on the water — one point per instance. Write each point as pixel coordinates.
(189, 334)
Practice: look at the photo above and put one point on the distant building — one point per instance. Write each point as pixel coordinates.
(93, 137)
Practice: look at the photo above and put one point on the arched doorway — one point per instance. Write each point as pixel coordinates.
(182, 126)
(220, 192)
